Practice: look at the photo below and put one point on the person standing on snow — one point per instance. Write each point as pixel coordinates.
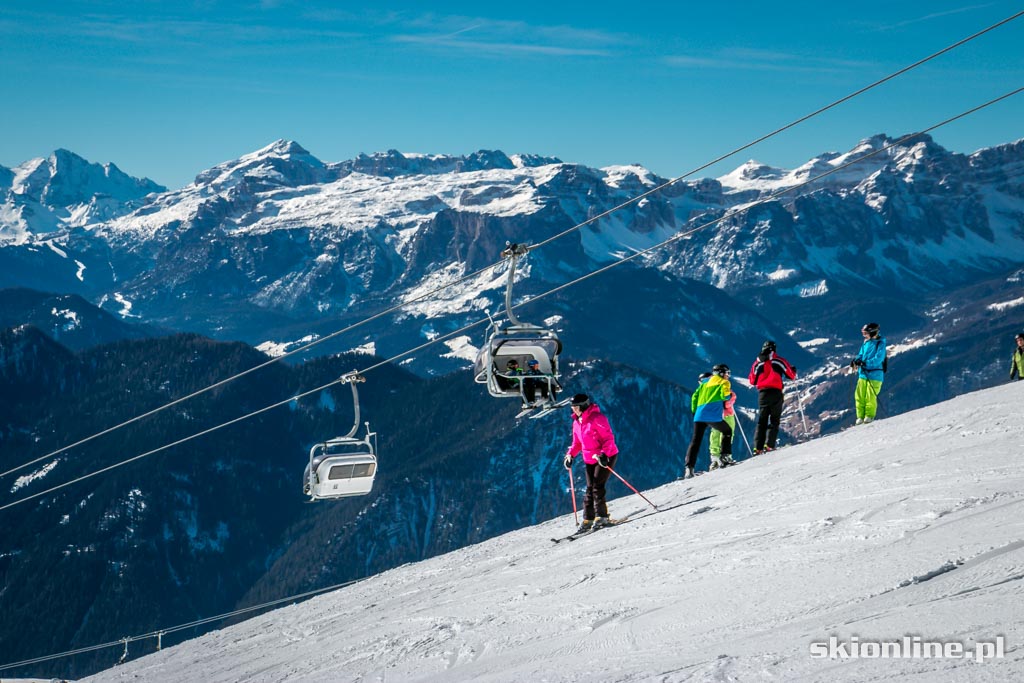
(870, 364)
(715, 440)
(708, 406)
(1017, 360)
(592, 435)
(766, 375)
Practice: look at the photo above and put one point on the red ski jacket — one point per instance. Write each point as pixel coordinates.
(768, 374)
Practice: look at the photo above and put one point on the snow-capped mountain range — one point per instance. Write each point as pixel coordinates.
(278, 246)
(62, 191)
(299, 237)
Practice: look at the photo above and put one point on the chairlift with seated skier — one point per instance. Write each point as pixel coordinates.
(520, 360)
(345, 465)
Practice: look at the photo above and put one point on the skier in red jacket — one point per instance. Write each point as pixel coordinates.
(766, 375)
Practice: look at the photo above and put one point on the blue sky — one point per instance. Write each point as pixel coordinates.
(168, 89)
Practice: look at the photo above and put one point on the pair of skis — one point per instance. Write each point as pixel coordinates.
(634, 516)
(544, 408)
(580, 534)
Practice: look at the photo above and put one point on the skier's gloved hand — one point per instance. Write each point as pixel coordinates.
(602, 460)
(567, 463)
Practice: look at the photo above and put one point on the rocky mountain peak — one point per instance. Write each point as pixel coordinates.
(752, 170)
(533, 160)
(282, 163)
(65, 179)
(285, 148)
(393, 163)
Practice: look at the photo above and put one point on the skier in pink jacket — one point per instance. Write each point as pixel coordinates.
(592, 435)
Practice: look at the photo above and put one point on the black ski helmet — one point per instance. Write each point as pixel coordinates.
(768, 345)
(580, 401)
(703, 376)
(720, 369)
(1020, 336)
(870, 328)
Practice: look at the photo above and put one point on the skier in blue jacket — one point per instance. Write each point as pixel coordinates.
(870, 364)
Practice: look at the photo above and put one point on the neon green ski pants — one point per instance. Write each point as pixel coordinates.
(866, 397)
(716, 436)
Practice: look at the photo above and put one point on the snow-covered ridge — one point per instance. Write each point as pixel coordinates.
(64, 190)
(282, 232)
(755, 176)
(887, 530)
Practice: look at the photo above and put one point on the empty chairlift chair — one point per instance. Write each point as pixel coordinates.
(345, 465)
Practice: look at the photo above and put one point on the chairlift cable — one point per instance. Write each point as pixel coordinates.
(458, 281)
(239, 375)
(775, 195)
(731, 214)
(613, 264)
(175, 443)
(181, 627)
(775, 132)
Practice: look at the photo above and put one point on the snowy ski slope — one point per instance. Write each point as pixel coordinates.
(911, 526)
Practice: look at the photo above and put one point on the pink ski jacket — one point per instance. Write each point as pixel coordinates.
(592, 434)
(730, 402)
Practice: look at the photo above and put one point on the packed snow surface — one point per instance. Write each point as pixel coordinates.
(907, 527)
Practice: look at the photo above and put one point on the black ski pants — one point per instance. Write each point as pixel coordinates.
(530, 387)
(594, 504)
(769, 406)
(699, 428)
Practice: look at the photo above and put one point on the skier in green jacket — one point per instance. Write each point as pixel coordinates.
(1017, 360)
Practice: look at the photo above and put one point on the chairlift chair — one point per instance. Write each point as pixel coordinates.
(521, 342)
(345, 465)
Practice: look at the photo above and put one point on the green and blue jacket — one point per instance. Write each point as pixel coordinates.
(708, 401)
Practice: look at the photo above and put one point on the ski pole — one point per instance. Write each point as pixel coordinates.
(800, 403)
(572, 491)
(633, 489)
(877, 393)
(738, 424)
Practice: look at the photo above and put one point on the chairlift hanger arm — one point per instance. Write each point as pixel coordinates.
(512, 252)
(353, 378)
